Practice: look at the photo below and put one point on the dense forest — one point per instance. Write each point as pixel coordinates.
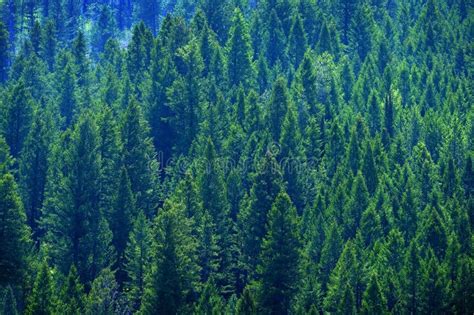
(236, 157)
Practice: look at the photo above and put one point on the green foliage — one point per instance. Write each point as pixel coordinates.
(279, 257)
(166, 151)
(15, 234)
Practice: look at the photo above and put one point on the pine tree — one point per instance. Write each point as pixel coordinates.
(239, 59)
(389, 115)
(49, 44)
(373, 301)
(67, 92)
(210, 302)
(104, 295)
(360, 34)
(375, 120)
(353, 154)
(216, 12)
(137, 254)
(110, 149)
(185, 97)
(14, 233)
(279, 257)
(267, 184)
(149, 13)
(4, 53)
(278, 107)
(344, 283)
(246, 305)
(34, 165)
(215, 203)
(369, 170)
(276, 41)
(41, 299)
(297, 42)
(412, 275)
(174, 270)
(139, 159)
(72, 296)
(325, 41)
(81, 237)
(292, 157)
(120, 223)
(18, 116)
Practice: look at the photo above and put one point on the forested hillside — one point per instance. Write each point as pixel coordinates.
(236, 157)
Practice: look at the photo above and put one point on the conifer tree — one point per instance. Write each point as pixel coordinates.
(72, 296)
(34, 165)
(279, 257)
(82, 236)
(120, 224)
(137, 254)
(369, 170)
(246, 304)
(104, 295)
(4, 52)
(210, 302)
(276, 41)
(174, 270)
(266, 186)
(41, 299)
(49, 44)
(185, 97)
(373, 301)
(14, 233)
(18, 116)
(297, 42)
(239, 59)
(139, 158)
(278, 107)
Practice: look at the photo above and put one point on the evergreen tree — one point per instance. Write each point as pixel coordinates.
(217, 12)
(4, 52)
(210, 302)
(14, 233)
(360, 34)
(72, 296)
(104, 295)
(81, 237)
(67, 92)
(18, 116)
(267, 184)
(246, 304)
(34, 166)
(185, 97)
(278, 107)
(41, 299)
(174, 270)
(369, 170)
(297, 42)
(139, 159)
(137, 254)
(239, 59)
(49, 44)
(373, 301)
(121, 222)
(279, 257)
(276, 40)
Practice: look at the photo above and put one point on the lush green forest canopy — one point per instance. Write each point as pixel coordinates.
(236, 157)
